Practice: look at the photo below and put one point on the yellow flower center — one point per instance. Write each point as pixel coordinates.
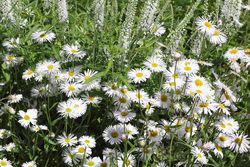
(222, 125)
(30, 72)
(199, 155)
(81, 150)
(187, 68)
(128, 162)
(155, 65)
(198, 82)
(68, 110)
(216, 33)
(50, 66)
(139, 74)
(86, 141)
(124, 91)
(91, 98)
(122, 100)
(104, 164)
(164, 98)
(71, 73)
(71, 88)
(218, 148)
(91, 163)
(188, 129)
(138, 95)
(26, 117)
(172, 83)
(43, 35)
(114, 134)
(67, 140)
(199, 91)
(222, 106)
(153, 133)
(87, 77)
(10, 57)
(208, 24)
(3, 163)
(247, 51)
(74, 51)
(222, 138)
(114, 86)
(175, 76)
(238, 140)
(124, 113)
(203, 105)
(233, 51)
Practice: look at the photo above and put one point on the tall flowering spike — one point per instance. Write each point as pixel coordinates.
(125, 35)
(148, 16)
(231, 10)
(62, 10)
(7, 10)
(99, 10)
(47, 4)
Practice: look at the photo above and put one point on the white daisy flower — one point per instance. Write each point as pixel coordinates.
(188, 67)
(88, 141)
(67, 140)
(41, 36)
(218, 151)
(72, 74)
(139, 96)
(174, 84)
(129, 161)
(113, 134)
(5, 162)
(28, 74)
(66, 109)
(217, 37)
(197, 81)
(37, 128)
(89, 99)
(223, 140)
(240, 143)
(27, 118)
(155, 64)
(124, 116)
(86, 78)
(93, 162)
(205, 26)
(82, 150)
(9, 147)
(48, 67)
(11, 59)
(162, 99)
(139, 75)
(11, 43)
(187, 130)
(205, 107)
(227, 125)
(155, 134)
(69, 157)
(234, 53)
(122, 101)
(74, 51)
(112, 89)
(199, 155)
(130, 131)
(15, 98)
(29, 164)
(71, 89)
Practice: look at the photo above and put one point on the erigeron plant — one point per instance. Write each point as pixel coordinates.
(125, 83)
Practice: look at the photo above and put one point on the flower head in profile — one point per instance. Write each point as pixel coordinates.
(41, 36)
